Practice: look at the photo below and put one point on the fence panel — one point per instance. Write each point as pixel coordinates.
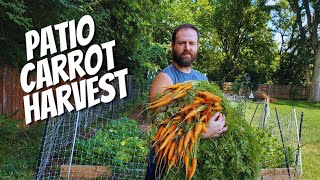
(274, 90)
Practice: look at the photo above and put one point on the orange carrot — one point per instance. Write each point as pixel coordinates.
(208, 113)
(172, 160)
(190, 106)
(177, 118)
(180, 95)
(186, 162)
(159, 156)
(196, 101)
(172, 128)
(182, 87)
(191, 114)
(204, 127)
(180, 144)
(193, 168)
(209, 96)
(203, 118)
(181, 154)
(189, 86)
(194, 112)
(216, 104)
(165, 152)
(217, 108)
(158, 133)
(219, 98)
(192, 142)
(164, 130)
(165, 121)
(162, 103)
(168, 139)
(187, 138)
(188, 121)
(197, 130)
(175, 86)
(156, 148)
(162, 98)
(201, 99)
(171, 150)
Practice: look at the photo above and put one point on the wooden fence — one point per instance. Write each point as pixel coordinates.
(277, 91)
(285, 91)
(11, 93)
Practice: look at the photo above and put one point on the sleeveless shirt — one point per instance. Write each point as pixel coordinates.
(177, 76)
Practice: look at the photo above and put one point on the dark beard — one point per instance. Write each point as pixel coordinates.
(184, 62)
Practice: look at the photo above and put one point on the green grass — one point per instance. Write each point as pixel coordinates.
(19, 149)
(310, 130)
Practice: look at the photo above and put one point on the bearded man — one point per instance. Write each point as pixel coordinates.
(184, 47)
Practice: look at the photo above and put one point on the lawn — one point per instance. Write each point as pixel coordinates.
(19, 148)
(310, 130)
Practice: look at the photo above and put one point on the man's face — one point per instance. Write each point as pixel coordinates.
(185, 48)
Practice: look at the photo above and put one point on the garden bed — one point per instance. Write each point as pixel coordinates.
(276, 173)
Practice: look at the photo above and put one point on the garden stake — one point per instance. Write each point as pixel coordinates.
(254, 113)
(73, 143)
(265, 112)
(298, 148)
(282, 140)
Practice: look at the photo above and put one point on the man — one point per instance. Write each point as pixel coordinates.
(184, 47)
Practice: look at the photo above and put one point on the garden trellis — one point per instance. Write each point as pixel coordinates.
(284, 129)
(89, 144)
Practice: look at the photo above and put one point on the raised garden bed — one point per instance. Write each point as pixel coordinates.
(276, 173)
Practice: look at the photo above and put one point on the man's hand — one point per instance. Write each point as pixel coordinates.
(216, 126)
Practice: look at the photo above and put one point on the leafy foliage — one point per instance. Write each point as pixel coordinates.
(19, 148)
(272, 151)
(119, 144)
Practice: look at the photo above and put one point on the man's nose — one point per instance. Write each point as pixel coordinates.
(187, 46)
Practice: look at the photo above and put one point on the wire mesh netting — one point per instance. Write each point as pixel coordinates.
(84, 144)
(94, 144)
(279, 132)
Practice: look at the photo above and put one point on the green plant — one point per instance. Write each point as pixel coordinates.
(9, 128)
(120, 144)
(19, 148)
(272, 155)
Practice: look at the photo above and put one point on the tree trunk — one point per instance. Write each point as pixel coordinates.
(307, 75)
(315, 92)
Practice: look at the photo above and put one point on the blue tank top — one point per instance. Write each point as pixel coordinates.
(177, 76)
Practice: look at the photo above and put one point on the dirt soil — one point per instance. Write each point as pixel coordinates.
(140, 116)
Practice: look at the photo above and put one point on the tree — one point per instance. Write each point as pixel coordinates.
(309, 33)
(13, 23)
(240, 41)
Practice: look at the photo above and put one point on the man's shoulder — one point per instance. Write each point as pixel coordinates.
(201, 75)
(168, 68)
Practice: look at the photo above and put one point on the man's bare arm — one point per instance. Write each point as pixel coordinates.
(157, 86)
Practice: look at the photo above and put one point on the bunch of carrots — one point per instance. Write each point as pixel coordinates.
(178, 133)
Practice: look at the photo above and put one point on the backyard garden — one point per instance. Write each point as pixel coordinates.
(268, 50)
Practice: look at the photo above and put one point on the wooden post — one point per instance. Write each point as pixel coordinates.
(85, 172)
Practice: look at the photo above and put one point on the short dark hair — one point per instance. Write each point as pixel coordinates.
(184, 26)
